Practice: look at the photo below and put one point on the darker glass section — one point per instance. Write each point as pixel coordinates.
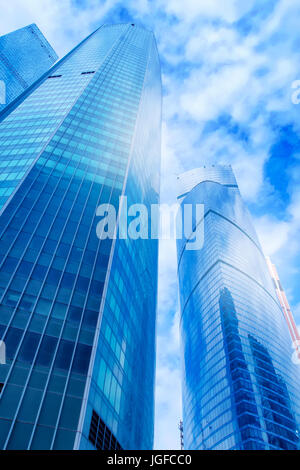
(242, 394)
(101, 436)
(279, 419)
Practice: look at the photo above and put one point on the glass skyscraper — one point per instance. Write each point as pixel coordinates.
(25, 55)
(240, 385)
(77, 312)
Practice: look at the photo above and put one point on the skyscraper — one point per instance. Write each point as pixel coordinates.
(25, 55)
(240, 385)
(78, 312)
(294, 333)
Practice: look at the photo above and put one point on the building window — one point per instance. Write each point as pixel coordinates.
(54, 76)
(87, 73)
(101, 436)
(1, 386)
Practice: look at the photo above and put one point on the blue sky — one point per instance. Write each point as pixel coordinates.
(228, 68)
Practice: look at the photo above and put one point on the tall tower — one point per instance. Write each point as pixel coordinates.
(25, 54)
(294, 333)
(240, 385)
(77, 312)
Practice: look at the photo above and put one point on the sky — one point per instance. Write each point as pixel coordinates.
(228, 69)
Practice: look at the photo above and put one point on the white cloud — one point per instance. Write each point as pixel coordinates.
(168, 388)
(189, 10)
(167, 290)
(273, 234)
(206, 96)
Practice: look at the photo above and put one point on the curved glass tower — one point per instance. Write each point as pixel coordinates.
(240, 385)
(77, 313)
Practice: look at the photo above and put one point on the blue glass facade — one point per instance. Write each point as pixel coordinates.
(78, 313)
(25, 55)
(240, 386)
